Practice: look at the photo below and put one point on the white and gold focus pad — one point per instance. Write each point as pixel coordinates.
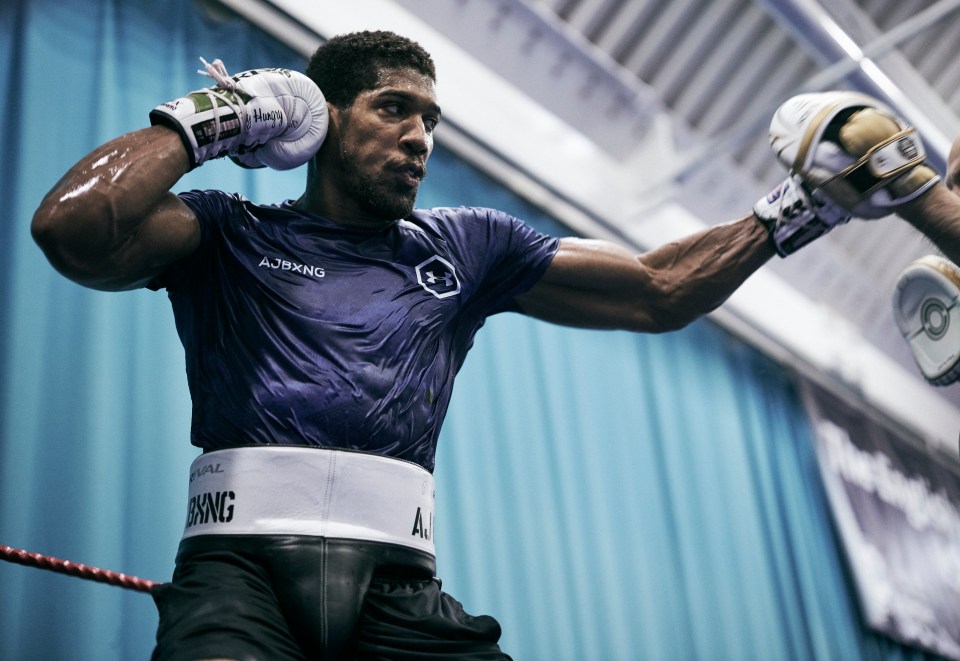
(926, 307)
(853, 150)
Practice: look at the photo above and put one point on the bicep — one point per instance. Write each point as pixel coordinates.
(166, 233)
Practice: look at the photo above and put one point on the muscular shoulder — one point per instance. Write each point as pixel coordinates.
(459, 219)
(483, 227)
(213, 205)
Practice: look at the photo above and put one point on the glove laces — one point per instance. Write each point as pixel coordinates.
(218, 71)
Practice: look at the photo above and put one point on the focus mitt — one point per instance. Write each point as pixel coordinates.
(926, 307)
(853, 150)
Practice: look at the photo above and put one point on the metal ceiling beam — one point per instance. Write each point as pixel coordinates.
(811, 27)
(815, 29)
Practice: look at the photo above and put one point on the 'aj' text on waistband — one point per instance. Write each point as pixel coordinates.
(283, 490)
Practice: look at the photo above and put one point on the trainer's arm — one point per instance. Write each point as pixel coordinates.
(936, 214)
(597, 284)
(111, 222)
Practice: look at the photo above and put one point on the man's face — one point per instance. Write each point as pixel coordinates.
(385, 138)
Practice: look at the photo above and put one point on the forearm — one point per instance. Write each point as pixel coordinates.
(704, 269)
(97, 209)
(597, 284)
(937, 215)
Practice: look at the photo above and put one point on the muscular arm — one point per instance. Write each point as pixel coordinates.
(111, 222)
(596, 284)
(936, 214)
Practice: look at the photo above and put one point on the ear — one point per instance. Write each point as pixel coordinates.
(337, 116)
(334, 112)
(337, 120)
(331, 144)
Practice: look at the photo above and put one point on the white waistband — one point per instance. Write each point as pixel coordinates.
(281, 490)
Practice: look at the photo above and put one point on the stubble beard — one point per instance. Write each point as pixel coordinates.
(376, 197)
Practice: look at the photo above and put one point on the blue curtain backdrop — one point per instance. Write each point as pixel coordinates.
(605, 495)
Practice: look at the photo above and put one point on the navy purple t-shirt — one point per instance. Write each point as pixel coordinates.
(301, 331)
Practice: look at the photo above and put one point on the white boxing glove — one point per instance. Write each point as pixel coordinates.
(926, 307)
(794, 216)
(853, 150)
(262, 117)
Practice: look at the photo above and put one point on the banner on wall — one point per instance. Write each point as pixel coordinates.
(897, 509)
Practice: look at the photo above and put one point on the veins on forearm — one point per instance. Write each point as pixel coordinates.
(706, 268)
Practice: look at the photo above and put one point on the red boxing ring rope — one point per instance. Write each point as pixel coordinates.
(75, 569)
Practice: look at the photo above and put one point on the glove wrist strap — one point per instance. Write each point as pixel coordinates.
(209, 122)
(793, 217)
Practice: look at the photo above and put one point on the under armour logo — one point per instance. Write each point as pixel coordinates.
(432, 278)
(438, 277)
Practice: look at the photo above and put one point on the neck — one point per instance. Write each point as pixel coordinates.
(322, 198)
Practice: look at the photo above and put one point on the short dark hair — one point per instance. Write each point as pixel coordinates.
(351, 63)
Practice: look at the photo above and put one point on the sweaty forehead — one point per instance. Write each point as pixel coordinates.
(405, 80)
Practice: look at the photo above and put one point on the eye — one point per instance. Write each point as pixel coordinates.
(392, 108)
(430, 122)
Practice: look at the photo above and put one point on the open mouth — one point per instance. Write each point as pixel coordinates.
(411, 173)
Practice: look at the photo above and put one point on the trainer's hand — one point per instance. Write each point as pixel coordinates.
(853, 150)
(263, 117)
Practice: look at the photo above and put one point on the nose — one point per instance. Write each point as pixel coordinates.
(416, 139)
